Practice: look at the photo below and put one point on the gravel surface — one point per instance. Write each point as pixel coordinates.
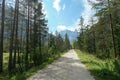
(68, 67)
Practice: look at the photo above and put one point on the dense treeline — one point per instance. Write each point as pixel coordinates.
(57, 43)
(103, 37)
(23, 26)
(24, 36)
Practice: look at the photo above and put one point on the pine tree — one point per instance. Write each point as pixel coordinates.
(67, 42)
(2, 35)
(16, 35)
(27, 36)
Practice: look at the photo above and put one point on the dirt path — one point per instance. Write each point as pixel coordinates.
(68, 67)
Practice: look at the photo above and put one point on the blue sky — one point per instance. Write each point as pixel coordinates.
(65, 14)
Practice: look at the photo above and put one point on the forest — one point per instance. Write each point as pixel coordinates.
(102, 38)
(24, 38)
(25, 41)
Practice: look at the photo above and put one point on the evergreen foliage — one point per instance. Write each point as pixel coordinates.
(102, 38)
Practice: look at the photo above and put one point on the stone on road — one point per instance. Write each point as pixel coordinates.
(68, 67)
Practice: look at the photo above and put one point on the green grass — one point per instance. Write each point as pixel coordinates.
(5, 57)
(26, 74)
(33, 70)
(4, 76)
(100, 69)
(5, 60)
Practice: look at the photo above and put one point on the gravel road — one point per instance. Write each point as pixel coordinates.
(68, 67)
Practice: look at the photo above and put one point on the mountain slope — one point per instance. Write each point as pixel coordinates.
(71, 34)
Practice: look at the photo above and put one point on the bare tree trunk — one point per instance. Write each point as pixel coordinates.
(2, 36)
(111, 26)
(10, 64)
(27, 41)
(16, 35)
(94, 41)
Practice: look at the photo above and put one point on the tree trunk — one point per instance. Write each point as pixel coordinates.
(27, 41)
(94, 42)
(111, 26)
(2, 36)
(10, 64)
(16, 35)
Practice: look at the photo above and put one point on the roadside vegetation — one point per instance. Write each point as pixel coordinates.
(25, 42)
(99, 42)
(107, 69)
(26, 74)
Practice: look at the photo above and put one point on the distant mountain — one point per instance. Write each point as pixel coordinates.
(71, 34)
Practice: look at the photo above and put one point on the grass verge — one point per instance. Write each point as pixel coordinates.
(33, 70)
(26, 74)
(101, 69)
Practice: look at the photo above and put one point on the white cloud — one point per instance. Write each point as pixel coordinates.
(78, 27)
(72, 27)
(87, 13)
(61, 28)
(56, 5)
(43, 10)
(64, 27)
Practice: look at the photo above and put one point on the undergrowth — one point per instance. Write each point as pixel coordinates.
(107, 69)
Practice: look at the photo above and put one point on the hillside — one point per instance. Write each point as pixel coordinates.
(72, 34)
